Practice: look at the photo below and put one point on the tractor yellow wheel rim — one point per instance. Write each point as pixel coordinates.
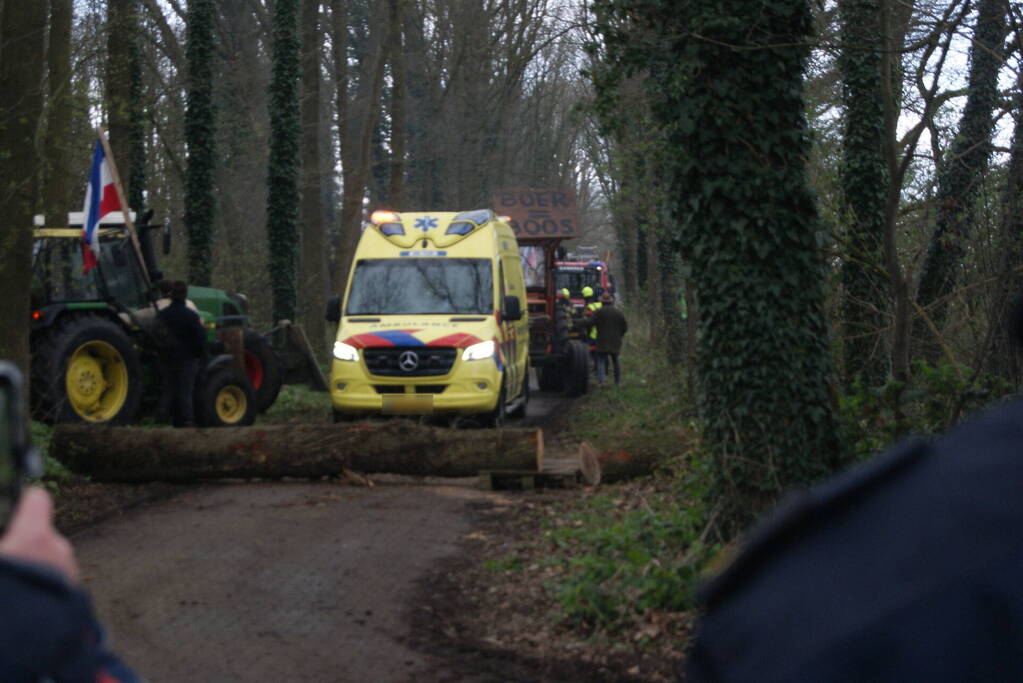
(231, 404)
(96, 381)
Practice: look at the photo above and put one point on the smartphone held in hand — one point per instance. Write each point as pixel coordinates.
(18, 458)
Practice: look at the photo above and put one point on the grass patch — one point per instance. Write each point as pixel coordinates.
(54, 473)
(623, 559)
(504, 564)
(298, 403)
(648, 413)
(637, 550)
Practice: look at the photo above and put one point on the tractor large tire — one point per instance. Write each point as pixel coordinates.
(224, 398)
(577, 375)
(562, 327)
(263, 368)
(85, 369)
(549, 378)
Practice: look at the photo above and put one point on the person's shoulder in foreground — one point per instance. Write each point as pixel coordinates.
(48, 631)
(908, 568)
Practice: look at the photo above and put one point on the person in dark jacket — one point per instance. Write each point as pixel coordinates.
(184, 342)
(907, 568)
(611, 326)
(48, 631)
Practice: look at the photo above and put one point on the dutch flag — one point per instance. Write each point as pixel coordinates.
(100, 199)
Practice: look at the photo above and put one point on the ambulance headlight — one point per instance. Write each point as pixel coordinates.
(480, 351)
(344, 351)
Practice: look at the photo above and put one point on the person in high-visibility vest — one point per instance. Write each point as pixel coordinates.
(565, 303)
(592, 306)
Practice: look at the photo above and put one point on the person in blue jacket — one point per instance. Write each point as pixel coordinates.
(48, 630)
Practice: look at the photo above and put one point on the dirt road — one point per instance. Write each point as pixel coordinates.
(273, 582)
(279, 581)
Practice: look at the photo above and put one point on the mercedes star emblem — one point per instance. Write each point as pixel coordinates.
(408, 361)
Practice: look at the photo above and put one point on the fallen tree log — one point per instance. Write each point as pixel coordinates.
(128, 454)
(615, 465)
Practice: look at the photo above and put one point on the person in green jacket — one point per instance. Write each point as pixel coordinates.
(610, 325)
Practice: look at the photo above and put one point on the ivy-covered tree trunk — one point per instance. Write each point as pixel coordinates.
(22, 61)
(864, 188)
(56, 174)
(282, 176)
(314, 237)
(200, 139)
(732, 101)
(960, 176)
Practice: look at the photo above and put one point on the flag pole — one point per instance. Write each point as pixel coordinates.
(125, 209)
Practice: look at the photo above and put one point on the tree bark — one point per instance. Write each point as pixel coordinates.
(304, 450)
(653, 282)
(121, 31)
(397, 171)
(22, 27)
(356, 158)
(56, 189)
(313, 269)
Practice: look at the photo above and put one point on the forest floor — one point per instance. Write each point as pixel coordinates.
(487, 612)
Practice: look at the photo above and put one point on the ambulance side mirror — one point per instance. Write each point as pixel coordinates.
(512, 309)
(333, 314)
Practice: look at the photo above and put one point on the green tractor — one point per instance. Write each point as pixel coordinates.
(94, 357)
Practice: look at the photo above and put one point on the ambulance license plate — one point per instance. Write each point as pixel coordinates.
(408, 404)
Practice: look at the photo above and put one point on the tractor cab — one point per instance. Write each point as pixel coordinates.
(59, 278)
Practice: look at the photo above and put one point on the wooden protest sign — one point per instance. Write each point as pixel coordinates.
(538, 213)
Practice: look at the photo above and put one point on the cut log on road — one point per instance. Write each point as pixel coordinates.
(614, 465)
(300, 450)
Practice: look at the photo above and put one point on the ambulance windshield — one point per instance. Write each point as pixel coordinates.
(421, 286)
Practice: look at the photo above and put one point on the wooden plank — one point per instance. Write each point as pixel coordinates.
(525, 480)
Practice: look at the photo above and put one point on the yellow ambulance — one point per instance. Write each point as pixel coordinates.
(432, 320)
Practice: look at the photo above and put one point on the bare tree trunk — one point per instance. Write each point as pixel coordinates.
(397, 179)
(357, 160)
(653, 283)
(692, 340)
(896, 277)
(22, 28)
(313, 262)
(56, 188)
(121, 29)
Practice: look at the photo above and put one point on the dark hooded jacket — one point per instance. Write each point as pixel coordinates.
(48, 631)
(909, 568)
(611, 326)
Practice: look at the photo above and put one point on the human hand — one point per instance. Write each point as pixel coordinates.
(30, 536)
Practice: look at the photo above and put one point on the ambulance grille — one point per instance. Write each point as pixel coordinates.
(430, 361)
